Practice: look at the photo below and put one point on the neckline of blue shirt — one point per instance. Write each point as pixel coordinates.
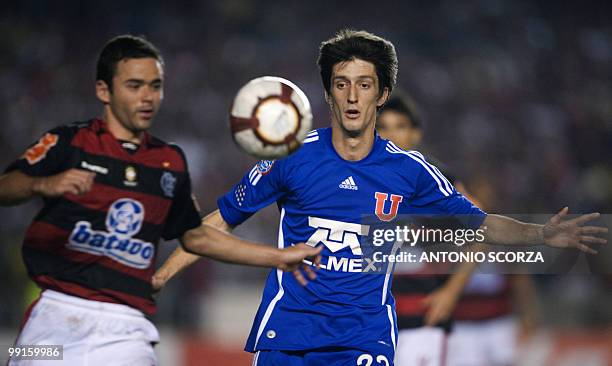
(378, 145)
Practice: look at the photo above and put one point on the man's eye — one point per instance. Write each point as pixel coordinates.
(340, 85)
(133, 86)
(365, 85)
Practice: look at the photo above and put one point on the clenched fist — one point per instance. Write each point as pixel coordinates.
(75, 181)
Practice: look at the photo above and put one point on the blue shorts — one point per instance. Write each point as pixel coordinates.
(326, 357)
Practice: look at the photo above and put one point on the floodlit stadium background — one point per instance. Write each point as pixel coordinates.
(516, 98)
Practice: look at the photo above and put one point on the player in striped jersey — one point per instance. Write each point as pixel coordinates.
(347, 316)
(494, 311)
(424, 295)
(111, 191)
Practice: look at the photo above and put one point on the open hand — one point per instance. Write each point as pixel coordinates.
(561, 233)
(292, 260)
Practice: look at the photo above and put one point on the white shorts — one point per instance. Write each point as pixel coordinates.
(483, 343)
(92, 332)
(425, 346)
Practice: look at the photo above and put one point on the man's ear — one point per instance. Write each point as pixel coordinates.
(383, 97)
(103, 92)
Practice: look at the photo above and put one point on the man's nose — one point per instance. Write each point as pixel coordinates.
(352, 96)
(147, 94)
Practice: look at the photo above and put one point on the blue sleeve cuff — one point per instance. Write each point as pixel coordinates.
(230, 215)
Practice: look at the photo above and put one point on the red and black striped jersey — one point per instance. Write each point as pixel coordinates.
(102, 245)
(412, 285)
(486, 296)
(410, 289)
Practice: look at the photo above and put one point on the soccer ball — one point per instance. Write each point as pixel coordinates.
(270, 117)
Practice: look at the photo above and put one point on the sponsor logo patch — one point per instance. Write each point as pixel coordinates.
(123, 221)
(264, 166)
(130, 176)
(94, 168)
(167, 182)
(38, 152)
(338, 236)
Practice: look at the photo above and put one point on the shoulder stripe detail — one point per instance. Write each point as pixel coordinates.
(252, 172)
(420, 156)
(254, 176)
(256, 180)
(313, 133)
(417, 154)
(311, 139)
(448, 184)
(391, 148)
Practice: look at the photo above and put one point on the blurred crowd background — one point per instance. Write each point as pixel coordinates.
(516, 98)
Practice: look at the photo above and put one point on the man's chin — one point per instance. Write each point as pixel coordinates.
(353, 128)
(143, 125)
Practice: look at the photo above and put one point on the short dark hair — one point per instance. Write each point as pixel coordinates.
(348, 45)
(402, 103)
(123, 47)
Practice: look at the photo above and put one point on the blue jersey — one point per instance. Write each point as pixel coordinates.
(322, 199)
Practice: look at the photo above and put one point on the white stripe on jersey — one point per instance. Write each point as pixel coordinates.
(252, 172)
(392, 149)
(279, 275)
(255, 359)
(257, 178)
(391, 317)
(448, 184)
(396, 246)
(311, 139)
(313, 133)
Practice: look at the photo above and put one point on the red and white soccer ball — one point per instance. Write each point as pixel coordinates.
(270, 117)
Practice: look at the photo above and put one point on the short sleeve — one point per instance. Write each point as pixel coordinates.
(261, 186)
(47, 156)
(434, 194)
(184, 213)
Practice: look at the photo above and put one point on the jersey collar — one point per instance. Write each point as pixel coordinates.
(100, 126)
(379, 144)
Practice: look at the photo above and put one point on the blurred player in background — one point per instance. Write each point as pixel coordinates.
(110, 192)
(486, 332)
(346, 316)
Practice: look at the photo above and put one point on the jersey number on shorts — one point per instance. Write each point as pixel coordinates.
(366, 360)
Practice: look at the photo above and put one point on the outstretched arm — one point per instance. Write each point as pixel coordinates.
(17, 187)
(211, 239)
(557, 232)
(181, 259)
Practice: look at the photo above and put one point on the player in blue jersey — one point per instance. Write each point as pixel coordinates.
(346, 316)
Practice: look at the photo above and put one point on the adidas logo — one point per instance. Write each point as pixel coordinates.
(348, 183)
